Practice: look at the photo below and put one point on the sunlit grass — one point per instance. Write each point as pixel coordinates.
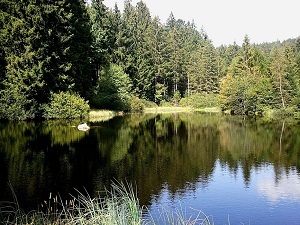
(101, 115)
(119, 206)
(178, 109)
(170, 109)
(209, 110)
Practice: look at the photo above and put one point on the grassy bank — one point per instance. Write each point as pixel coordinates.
(101, 115)
(181, 109)
(120, 206)
(209, 110)
(168, 109)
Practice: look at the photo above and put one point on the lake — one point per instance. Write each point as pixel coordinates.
(237, 170)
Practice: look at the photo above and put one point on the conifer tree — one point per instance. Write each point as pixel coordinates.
(102, 35)
(47, 49)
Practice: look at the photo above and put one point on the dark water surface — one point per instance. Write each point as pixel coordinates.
(232, 168)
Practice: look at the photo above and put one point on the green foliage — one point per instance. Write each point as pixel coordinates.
(107, 56)
(66, 105)
(44, 48)
(113, 90)
(165, 103)
(136, 104)
(176, 98)
(247, 87)
(279, 113)
(203, 75)
(149, 104)
(200, 100)
(15, 106)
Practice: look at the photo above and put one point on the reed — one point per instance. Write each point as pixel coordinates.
(179, 216)
(119, 206)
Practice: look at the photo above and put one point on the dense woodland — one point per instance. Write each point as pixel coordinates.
(59, 58)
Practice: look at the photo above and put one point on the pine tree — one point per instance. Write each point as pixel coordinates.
(78, 47)
(47, 49)
(144, 78)
(157, 43)
(102, 35)
(4, 19)
(174, 55)
(23, 83)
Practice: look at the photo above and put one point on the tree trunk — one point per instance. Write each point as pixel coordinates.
(281, 93)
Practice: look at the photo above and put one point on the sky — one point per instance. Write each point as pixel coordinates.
(228, 21)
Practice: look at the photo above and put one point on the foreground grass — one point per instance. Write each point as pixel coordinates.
(120, 206)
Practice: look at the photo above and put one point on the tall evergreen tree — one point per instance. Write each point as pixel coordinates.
(78, 49)
(144, 79)
(23, 82)
(4, 19)
(174, 55)
(157, 43)
(102, 35)
(46, 48)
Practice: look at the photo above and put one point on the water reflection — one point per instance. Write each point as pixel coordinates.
(168, 153)
(287, 188)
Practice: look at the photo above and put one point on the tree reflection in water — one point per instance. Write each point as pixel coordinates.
(177, 151)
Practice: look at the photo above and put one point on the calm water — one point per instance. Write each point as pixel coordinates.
(231, 168)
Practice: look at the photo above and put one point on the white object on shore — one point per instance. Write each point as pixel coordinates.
(83, 127)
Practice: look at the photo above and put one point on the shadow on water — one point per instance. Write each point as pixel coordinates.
(174, 151)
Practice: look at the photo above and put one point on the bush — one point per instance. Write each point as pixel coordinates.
(113, 89)
(14, 105)
(164, 103)
(66, 105)
(110, 102)
(280, 112)
(176, 98)
(149, 104)
(200, 100)
(136, 104)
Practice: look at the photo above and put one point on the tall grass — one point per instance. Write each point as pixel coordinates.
(119, 206)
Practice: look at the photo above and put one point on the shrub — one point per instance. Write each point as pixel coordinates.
(66, 105)
(200, 100)
(164, 103)
(149, 104)
(280, 112)
(176, 98)
(14, 105)
(113, 89)
(136, 104)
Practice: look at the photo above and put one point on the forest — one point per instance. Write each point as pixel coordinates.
(59, 59)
